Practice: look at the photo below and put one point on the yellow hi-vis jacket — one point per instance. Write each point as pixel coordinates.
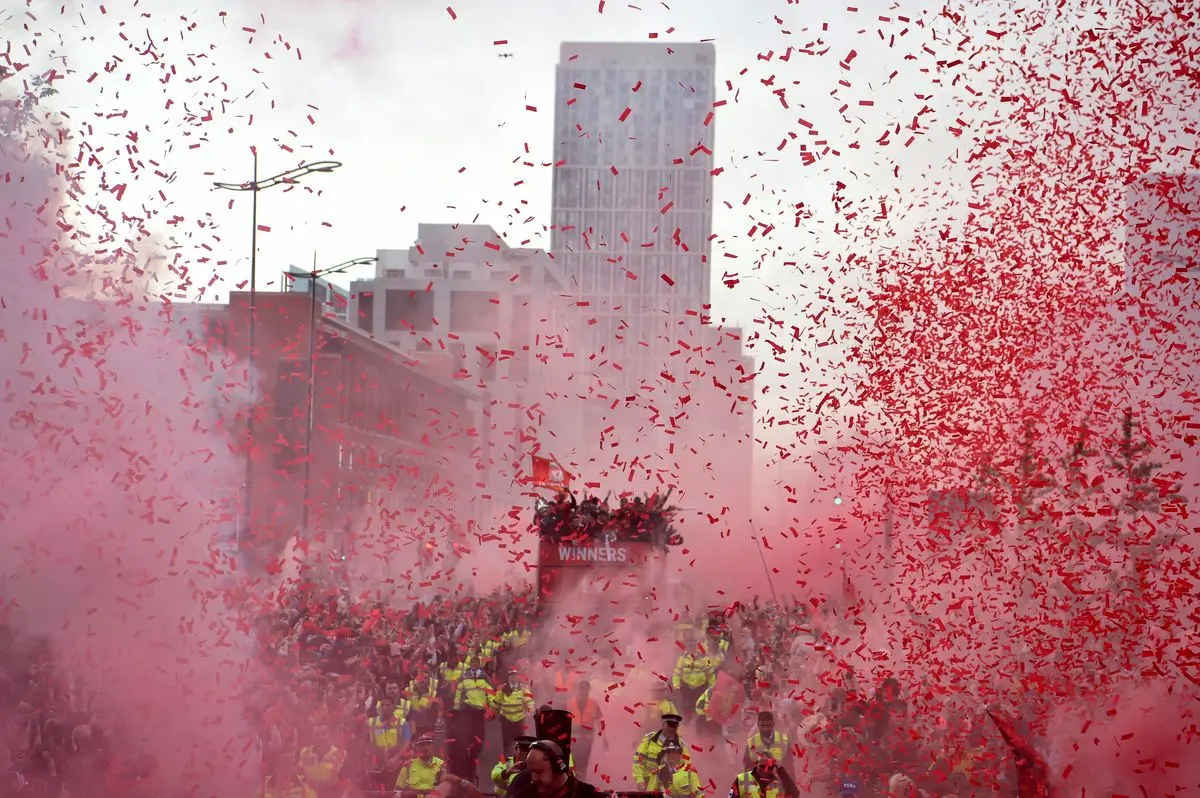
(694, 670)
(683, 782)
(702, 703)
(487, 651)
(421, 696)
(420, 776)
(746, 786)
(501, 778)
(513, 706)
(645, 758)
(516, 638)
(451, 673)
(403, 706)
(777, 748)
(474, 692)
(321, 769)
(385, 738)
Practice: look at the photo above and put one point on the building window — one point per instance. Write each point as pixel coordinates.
(691, 188)
(291, 401)
(408, 310)
(474, 311)
(592, 186)
(366, 312)
(291, 388)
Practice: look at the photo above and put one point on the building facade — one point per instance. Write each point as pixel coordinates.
(1162, 275)
(1162, 240)
(631, 229)
(487, 315)
(333, 300)
(632, 203)
(391, 444)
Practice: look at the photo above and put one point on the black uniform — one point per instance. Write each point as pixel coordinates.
(523, 787)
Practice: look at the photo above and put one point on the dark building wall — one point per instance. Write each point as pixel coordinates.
(381, 425)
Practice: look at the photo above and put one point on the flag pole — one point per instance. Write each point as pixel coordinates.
(762, 557)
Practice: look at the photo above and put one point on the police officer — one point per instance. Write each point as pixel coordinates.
(645, 758)
(673, 777)
(764, 780)
(422, 773)
(767, 741)
(695, 671)
(514, 704)
(511, 764)
(322, 762)
(472, 702)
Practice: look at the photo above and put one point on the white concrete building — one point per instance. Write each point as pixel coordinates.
(632, 205)
(482, 312)
(1162, 259)
(631, 223)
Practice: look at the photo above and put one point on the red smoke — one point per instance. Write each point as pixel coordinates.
(117, 475)
(1000, 344)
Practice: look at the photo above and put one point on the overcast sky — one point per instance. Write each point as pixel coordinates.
(433, 126)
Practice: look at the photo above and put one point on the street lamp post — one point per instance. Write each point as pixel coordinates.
(255, 185)
(313, 276)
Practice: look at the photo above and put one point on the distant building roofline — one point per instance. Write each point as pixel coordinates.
(386, 349)
(657, 51)
(352, 333)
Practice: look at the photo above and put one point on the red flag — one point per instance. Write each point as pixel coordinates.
(549, 474)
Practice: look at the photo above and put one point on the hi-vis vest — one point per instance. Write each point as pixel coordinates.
(587, 716)
(501, 779)
(645, 758)
(421, 696)
(403, 706)
(717, 649)
(472, 693)
(321, 769)
(383, 737)
(694, 671)
(746, 786)
(420, 776)
(516, 638)
(514, 706)
(684, 781)
(487, 652)
(777, 750)
(565, 681)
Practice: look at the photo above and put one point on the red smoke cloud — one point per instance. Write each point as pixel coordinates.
(117, 477)
(1004, 356)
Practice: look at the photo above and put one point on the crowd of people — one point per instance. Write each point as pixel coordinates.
(373, 699)
(635, 520)
(772, 691)
(53, 741)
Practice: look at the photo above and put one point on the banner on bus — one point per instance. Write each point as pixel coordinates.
(592, 554)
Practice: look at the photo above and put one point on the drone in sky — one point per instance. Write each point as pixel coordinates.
(506, 55)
